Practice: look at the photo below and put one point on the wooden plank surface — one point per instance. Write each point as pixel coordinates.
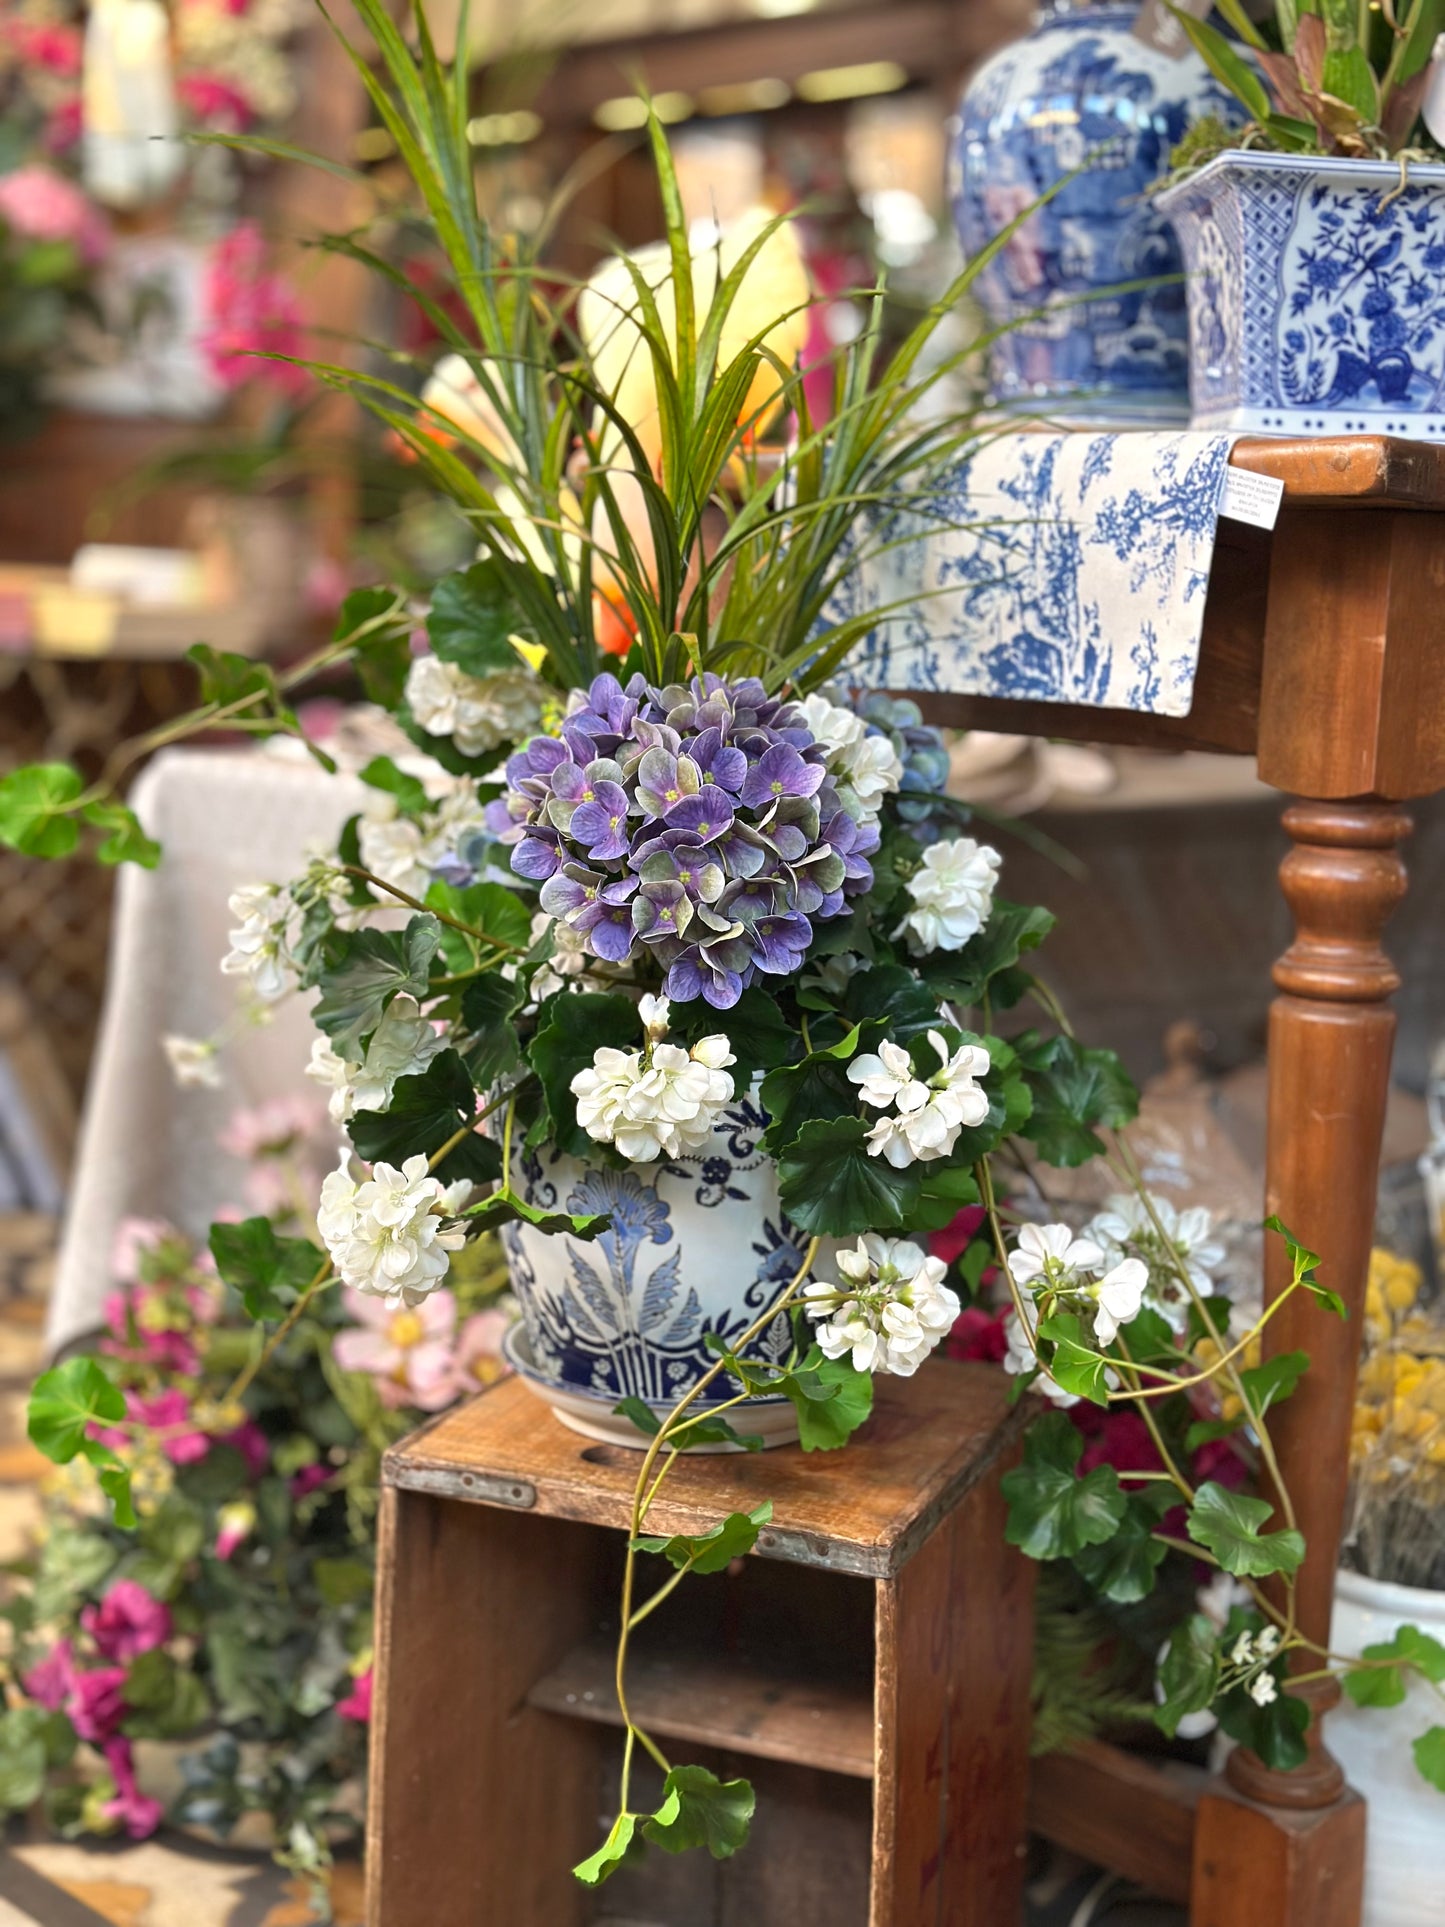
(1359, 468)
(1134, 1815)
(718, 1701)
(929, 1441)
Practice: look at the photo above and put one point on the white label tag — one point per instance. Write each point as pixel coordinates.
(1251, 498)
(1157, 27)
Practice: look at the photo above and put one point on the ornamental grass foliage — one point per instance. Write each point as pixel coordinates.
(662, 855)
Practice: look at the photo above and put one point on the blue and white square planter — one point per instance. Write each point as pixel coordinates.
(697, 1245)
(1316, 291)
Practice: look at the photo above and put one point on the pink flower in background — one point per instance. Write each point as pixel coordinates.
(51, 1683)
(357, 1704)
(133, 1238)
(215, 103)
(269, 1129)
(235, 1524)
(978, 1334)
(478, 1361)
(408, 1352)
(63, 128)
(253, 1445)
(168, 1413)
(56, 47)
(253, 313)
(955, 1238)
(96, 1705)
(139, 1815)
(42, 205)
(310, 1479)
(127, 1622)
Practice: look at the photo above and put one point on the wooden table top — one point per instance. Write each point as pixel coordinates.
(1360, 468)
(929, 1440)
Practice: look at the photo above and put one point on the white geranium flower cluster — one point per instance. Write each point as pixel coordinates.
(924, 1116)
(863, 760)
(889, 1310)
(477, 712)
(1126, 1228)
(661, 1101)
(194, 1061)
(404, 850)
(387, 1235)
(266, 929)
(403, 1043)
(1256, 1650)
(952, 892)
(563, 969)
(1070, 1273)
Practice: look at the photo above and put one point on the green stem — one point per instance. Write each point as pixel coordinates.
(403, 896)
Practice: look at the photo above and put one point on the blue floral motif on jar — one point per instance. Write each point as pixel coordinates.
(696, 1247)
(1317, 297)
(1082, 92)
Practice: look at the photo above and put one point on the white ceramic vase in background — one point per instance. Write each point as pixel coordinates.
(1405, 1840)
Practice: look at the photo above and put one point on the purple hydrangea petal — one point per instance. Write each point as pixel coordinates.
(611, 936)
(535, 857)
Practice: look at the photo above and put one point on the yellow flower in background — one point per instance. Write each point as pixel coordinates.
(775, 289)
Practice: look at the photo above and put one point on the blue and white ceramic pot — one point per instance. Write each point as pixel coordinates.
(1316, 295)
(1081, 88)
(696, 1246)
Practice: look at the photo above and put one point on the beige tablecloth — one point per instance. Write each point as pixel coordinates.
(223, 818)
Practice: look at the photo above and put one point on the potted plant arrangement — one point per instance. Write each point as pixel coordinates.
(1314, 238)
(689, 953)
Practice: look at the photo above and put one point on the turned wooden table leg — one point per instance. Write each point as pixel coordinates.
(1287, 1849)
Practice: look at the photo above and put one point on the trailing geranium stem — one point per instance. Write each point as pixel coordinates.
(643, 1496)
(415, 903)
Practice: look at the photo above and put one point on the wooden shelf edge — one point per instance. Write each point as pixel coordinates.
(726, 1704)
(1122, 1811)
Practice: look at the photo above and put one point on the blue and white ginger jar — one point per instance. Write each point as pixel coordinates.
(697, 1245)
(1080, 89)
(1316, 295)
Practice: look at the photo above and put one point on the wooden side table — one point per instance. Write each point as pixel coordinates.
(869, 1670)
(1323, 657)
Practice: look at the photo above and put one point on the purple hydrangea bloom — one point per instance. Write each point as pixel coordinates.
(695, 824)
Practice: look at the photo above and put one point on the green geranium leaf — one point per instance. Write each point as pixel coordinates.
(1053, 1513)
(267, 1270)
(426, 1109)
(124, 840)
(1265, 1385)
(371, 968)
(1074, 1089)
(964, 976)
(490, 1046)
(344, 1582)
(376, 623)
(23, 1724)
(34, 816)
(816, 1087)
(831, 1399)
(760, 1036)
(1074, 1364)
(22, 1772)
(1217, 1326)
(943, 1191)
(1188, 1672)
(165, 1701)
(619, 1845)
(382, 774)
(1385, 1685)
(1275, 1732)
(1126, 1567)
(473, 615)
(1150, 1338)
(571, 1027)
(1304, 1263)
(503, 1206)
(711, 1551)
(66, 1401)
(828, 1184)
(1228, 1525)
(700, 1810)
(1429, 1752)
(894, 994)
(489, 907)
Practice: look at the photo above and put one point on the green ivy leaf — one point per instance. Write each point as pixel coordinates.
(1275, 1732)
(1429, 1752)
(1385, 1686)
(615, 1849)
(831, 1398)
(1074, 1363)
(66, 1401)
(372, 967)
(473, 615)
(705, 1430)
(1126, 1567)
(33, 809)
(1074, 1089)
(1053, 1513)
(267, 1270)
(425, 1110)
(572, 1026)
(700, 1810)
(711, 1551)
(125, 841)
(1265, 1384)
(964, 976)
(1228, 1525)
(383, 653)
(382, 774)
(829, 1185)
(503, 1206)
(1303, 1265)
(1188, 1672)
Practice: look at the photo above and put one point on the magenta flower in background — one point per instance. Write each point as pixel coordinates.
(129, 1621)
(254, 313)
(96, 1704)
(41, 205)
(408, 1352)
(357, 1704)
(168, 1413)
(253, 1445)
(139, 1815)
(310, 1479)
(214, 103)
(51, 1683)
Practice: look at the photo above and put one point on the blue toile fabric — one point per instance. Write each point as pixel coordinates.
(1050, 567)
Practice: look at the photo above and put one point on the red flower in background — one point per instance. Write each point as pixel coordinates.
(254, 313)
